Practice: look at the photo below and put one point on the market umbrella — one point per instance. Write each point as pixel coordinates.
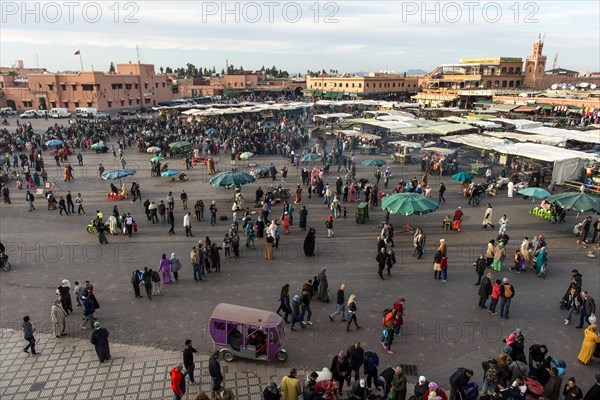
(157, 158)
(534, 193)
(180, 144)
(153, 149)
(462, 177)
(117, 174)
(231, 178)
(246, 155)
(576, 201)
(169, 172)
(54, 143)
(98, 146)
(374, 162)
(311, 157)
(408, 204)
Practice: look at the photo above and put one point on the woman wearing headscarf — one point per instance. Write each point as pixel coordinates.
(65, 296)
(99, 339)
(323, 286)
(590, 341)
(164, 269)
(499, 254)
(340, 369)
(58, 315)
(540, 260)
(175, 265)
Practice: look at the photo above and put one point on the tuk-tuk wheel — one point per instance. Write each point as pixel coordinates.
(227, 355)
(281, 356)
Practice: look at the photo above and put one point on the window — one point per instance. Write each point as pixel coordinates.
(76, 104)
(137, 101)
(353, 84)
(128, 86)
(163, 84)
(517, 70)
(360, 85)
(503, 70)
(65, 104)
(27, 104)
(130, 102)
(110, 104)
(122, 102)
(147, 101)
(74, 87)
(53, 104)
(325, 84)
(496, 83)
(87, 88)
(488, 84)
(402, 84)
(89, 103)
(157, 84)
(511, 83)
(540, 69)
(518, 83)
(503, 83)
(394, 84)
(510, 71)
(51, 87)
(146, 85)
(529, 69)
(367, 84)
(63, 87)
(379, 84)
(493, 71)
(136, 85)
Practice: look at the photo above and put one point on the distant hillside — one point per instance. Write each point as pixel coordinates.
(416, 72)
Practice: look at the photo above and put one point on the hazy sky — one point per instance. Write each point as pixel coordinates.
(296, 35)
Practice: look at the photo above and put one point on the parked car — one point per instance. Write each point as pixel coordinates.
(7, 111)
(29, 114)
(42, 113)
(60, 113)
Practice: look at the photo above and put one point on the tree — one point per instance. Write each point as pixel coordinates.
(111, 69)
(162, 70)
(13, 73)
(169, 70)
(214, 70)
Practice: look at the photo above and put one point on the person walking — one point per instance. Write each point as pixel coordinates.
(290, 386)
(390, 261)
(351, 317)
(503, 225)
(70, 204)
(147, 281)
(58, 315)
(441, 193)
(178, 382)
(340, 369)
(214, 370)
(79, 201)
(187, 224)
(485, 290)
(129, 224)
(588, 308)
(381, 259)
(28, 331)
(197, 263)
(437, 262)
(175, 266)
(499, 255)
(496, 289)
(171, 221)
(572, 302)
(99, 339)
(356, 358)
(188, 360)
(480, 266)
(135, 282)
(88, 309)
(184, 199)
(213, 213)
(340, 303)
(591, 340)
(506, 294)
(29, 198)
(284, 302)
(303, 218)
(62, 206)
(444, 267)
(329, 226)
(296, 314)
(487, 217)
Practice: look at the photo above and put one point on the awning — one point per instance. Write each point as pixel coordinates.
(503, 107)
(524, 109)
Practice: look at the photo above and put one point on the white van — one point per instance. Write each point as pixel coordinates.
(59, 113)
(85, 112)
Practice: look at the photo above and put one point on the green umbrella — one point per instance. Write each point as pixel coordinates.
(374, 162)
(98, 146)
(576, 201)
(534, 193)
(180, 144)
(408, 204)
(157, 158)
(246, 155)
(231, 178)
(462, 177)
(311, 157)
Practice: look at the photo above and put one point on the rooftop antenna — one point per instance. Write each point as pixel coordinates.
(555, 62)
(37, 60)
(137, 50)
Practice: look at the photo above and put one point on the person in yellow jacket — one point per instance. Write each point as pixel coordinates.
(290, 386)
(590, 341)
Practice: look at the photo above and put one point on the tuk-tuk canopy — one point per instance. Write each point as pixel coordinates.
(245, 315)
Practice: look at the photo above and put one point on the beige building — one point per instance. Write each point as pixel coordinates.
(376, 83)
(134, 85)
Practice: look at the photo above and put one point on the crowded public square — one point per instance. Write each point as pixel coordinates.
(245, 257)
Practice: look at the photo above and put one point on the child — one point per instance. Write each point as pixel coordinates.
(496, 287)
(519, 262)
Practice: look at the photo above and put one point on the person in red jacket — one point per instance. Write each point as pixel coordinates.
(496, 288)
(178, 382)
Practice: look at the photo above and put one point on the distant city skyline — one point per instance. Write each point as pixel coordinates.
(348, 36)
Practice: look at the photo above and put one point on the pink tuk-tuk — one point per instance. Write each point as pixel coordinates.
(247, 333)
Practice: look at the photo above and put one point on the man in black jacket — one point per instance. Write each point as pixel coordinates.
(485, 289)
(214, 369)
(588, 307)
(356, 358)
(480, 266)
(340, 303)
(188, 360)
(458, 380)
